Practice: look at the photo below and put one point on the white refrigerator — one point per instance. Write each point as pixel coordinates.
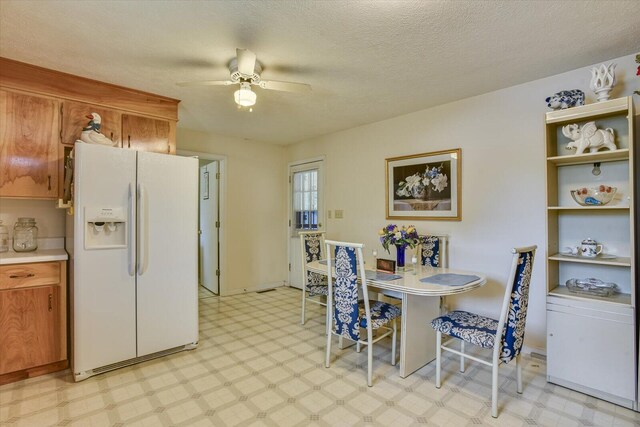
(134, 257)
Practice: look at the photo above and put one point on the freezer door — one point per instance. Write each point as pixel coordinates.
(167, 282)
(103, 287)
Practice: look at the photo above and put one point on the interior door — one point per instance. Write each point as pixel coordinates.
(167, 273)
(305, 211)
(208, 242)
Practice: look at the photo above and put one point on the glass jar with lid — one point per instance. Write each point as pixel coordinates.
(25, 235)
(4, 238)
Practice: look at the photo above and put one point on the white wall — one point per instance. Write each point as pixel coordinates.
(254, 221)
(503, 179)
(50, 221)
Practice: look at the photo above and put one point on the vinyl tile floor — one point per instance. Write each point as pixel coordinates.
(256, 365)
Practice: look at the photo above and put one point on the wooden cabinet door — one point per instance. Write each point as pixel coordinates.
(146, 134)
(28, 146)
(29, 330)
(74, 118)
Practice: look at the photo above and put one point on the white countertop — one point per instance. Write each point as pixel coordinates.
(41, 255)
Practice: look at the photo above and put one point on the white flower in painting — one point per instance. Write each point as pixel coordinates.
(439, 182)
(398, 235)
(425, 181)
(414, 180)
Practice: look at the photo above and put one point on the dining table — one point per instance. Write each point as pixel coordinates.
(420, 289)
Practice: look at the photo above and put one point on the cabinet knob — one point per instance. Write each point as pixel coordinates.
(21, 276)
(128, 141)
(49, 179)
(550, 335)
(50, 302)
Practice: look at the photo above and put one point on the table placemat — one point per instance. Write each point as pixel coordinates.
(450, 279)
(379, 275)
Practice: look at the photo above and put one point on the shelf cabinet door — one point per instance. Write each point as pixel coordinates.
(29, 329)
(28, 146)
(74, 119)
(593, 352)
(146, 134)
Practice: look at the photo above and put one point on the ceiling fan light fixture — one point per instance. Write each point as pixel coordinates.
(244, 96)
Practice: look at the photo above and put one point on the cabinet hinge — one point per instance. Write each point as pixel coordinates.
(218, 273)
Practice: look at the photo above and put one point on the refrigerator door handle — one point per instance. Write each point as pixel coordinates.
(142, 243)
(131, 237)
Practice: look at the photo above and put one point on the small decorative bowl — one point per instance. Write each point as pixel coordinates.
(591, 286)
(594, 196)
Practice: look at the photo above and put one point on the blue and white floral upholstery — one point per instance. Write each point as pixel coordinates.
(348, 314)
(504, 336)
(430, 251)
(314, 284)
(470, 327)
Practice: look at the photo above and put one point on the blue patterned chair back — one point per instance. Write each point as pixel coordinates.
(312, 246)
(345, 293)
(517, 296)
(430, 251)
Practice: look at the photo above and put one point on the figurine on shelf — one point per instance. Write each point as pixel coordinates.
(589, 136)
(565, 99)
(91, 133)
(603, 78)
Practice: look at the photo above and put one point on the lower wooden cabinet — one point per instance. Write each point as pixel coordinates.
(33, 319)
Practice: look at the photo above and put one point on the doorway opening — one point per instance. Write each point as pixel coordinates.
(210, 223)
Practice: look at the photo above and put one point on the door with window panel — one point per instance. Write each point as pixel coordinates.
(305, 211)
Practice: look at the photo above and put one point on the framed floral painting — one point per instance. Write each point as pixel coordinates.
(425, 186)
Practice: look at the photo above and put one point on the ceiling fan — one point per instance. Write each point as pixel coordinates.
(245, 71)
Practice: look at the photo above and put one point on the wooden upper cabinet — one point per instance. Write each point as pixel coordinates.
(146, 134)
(74, 119)
(29, 129)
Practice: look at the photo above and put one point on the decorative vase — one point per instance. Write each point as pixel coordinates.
(400, 256)
(603, 78)
(418, 192)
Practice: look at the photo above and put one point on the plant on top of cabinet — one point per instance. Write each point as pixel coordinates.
(28, 146)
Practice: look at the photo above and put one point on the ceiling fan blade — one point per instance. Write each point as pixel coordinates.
(285, 86)
(246, 61)
(207, 83)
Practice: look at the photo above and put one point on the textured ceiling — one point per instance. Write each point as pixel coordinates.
(366, 60)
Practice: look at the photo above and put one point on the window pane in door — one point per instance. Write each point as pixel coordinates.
(305, 200)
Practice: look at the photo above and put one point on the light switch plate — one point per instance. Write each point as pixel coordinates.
(339, 214)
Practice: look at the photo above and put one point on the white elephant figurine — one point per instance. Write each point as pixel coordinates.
(589, 136)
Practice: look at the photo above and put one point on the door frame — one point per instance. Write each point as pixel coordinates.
(222, 195)
(289, 219)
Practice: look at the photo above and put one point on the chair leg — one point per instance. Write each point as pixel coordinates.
(328, 356)
(494, 389)
(304, 303)
(461, 357)
(369, 363)
(519, 374)
(393, 343)
(438, 357)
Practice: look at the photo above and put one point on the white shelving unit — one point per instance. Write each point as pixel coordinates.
(591, 340)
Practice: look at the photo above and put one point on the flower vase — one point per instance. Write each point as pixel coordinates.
(400, 256)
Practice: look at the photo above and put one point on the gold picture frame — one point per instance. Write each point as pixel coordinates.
(425, 186)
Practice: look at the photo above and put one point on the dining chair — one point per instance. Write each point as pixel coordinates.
(347, 315)
(505, 336)
(433, 251)
(313, 284)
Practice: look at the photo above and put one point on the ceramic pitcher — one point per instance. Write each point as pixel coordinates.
(590, 248)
